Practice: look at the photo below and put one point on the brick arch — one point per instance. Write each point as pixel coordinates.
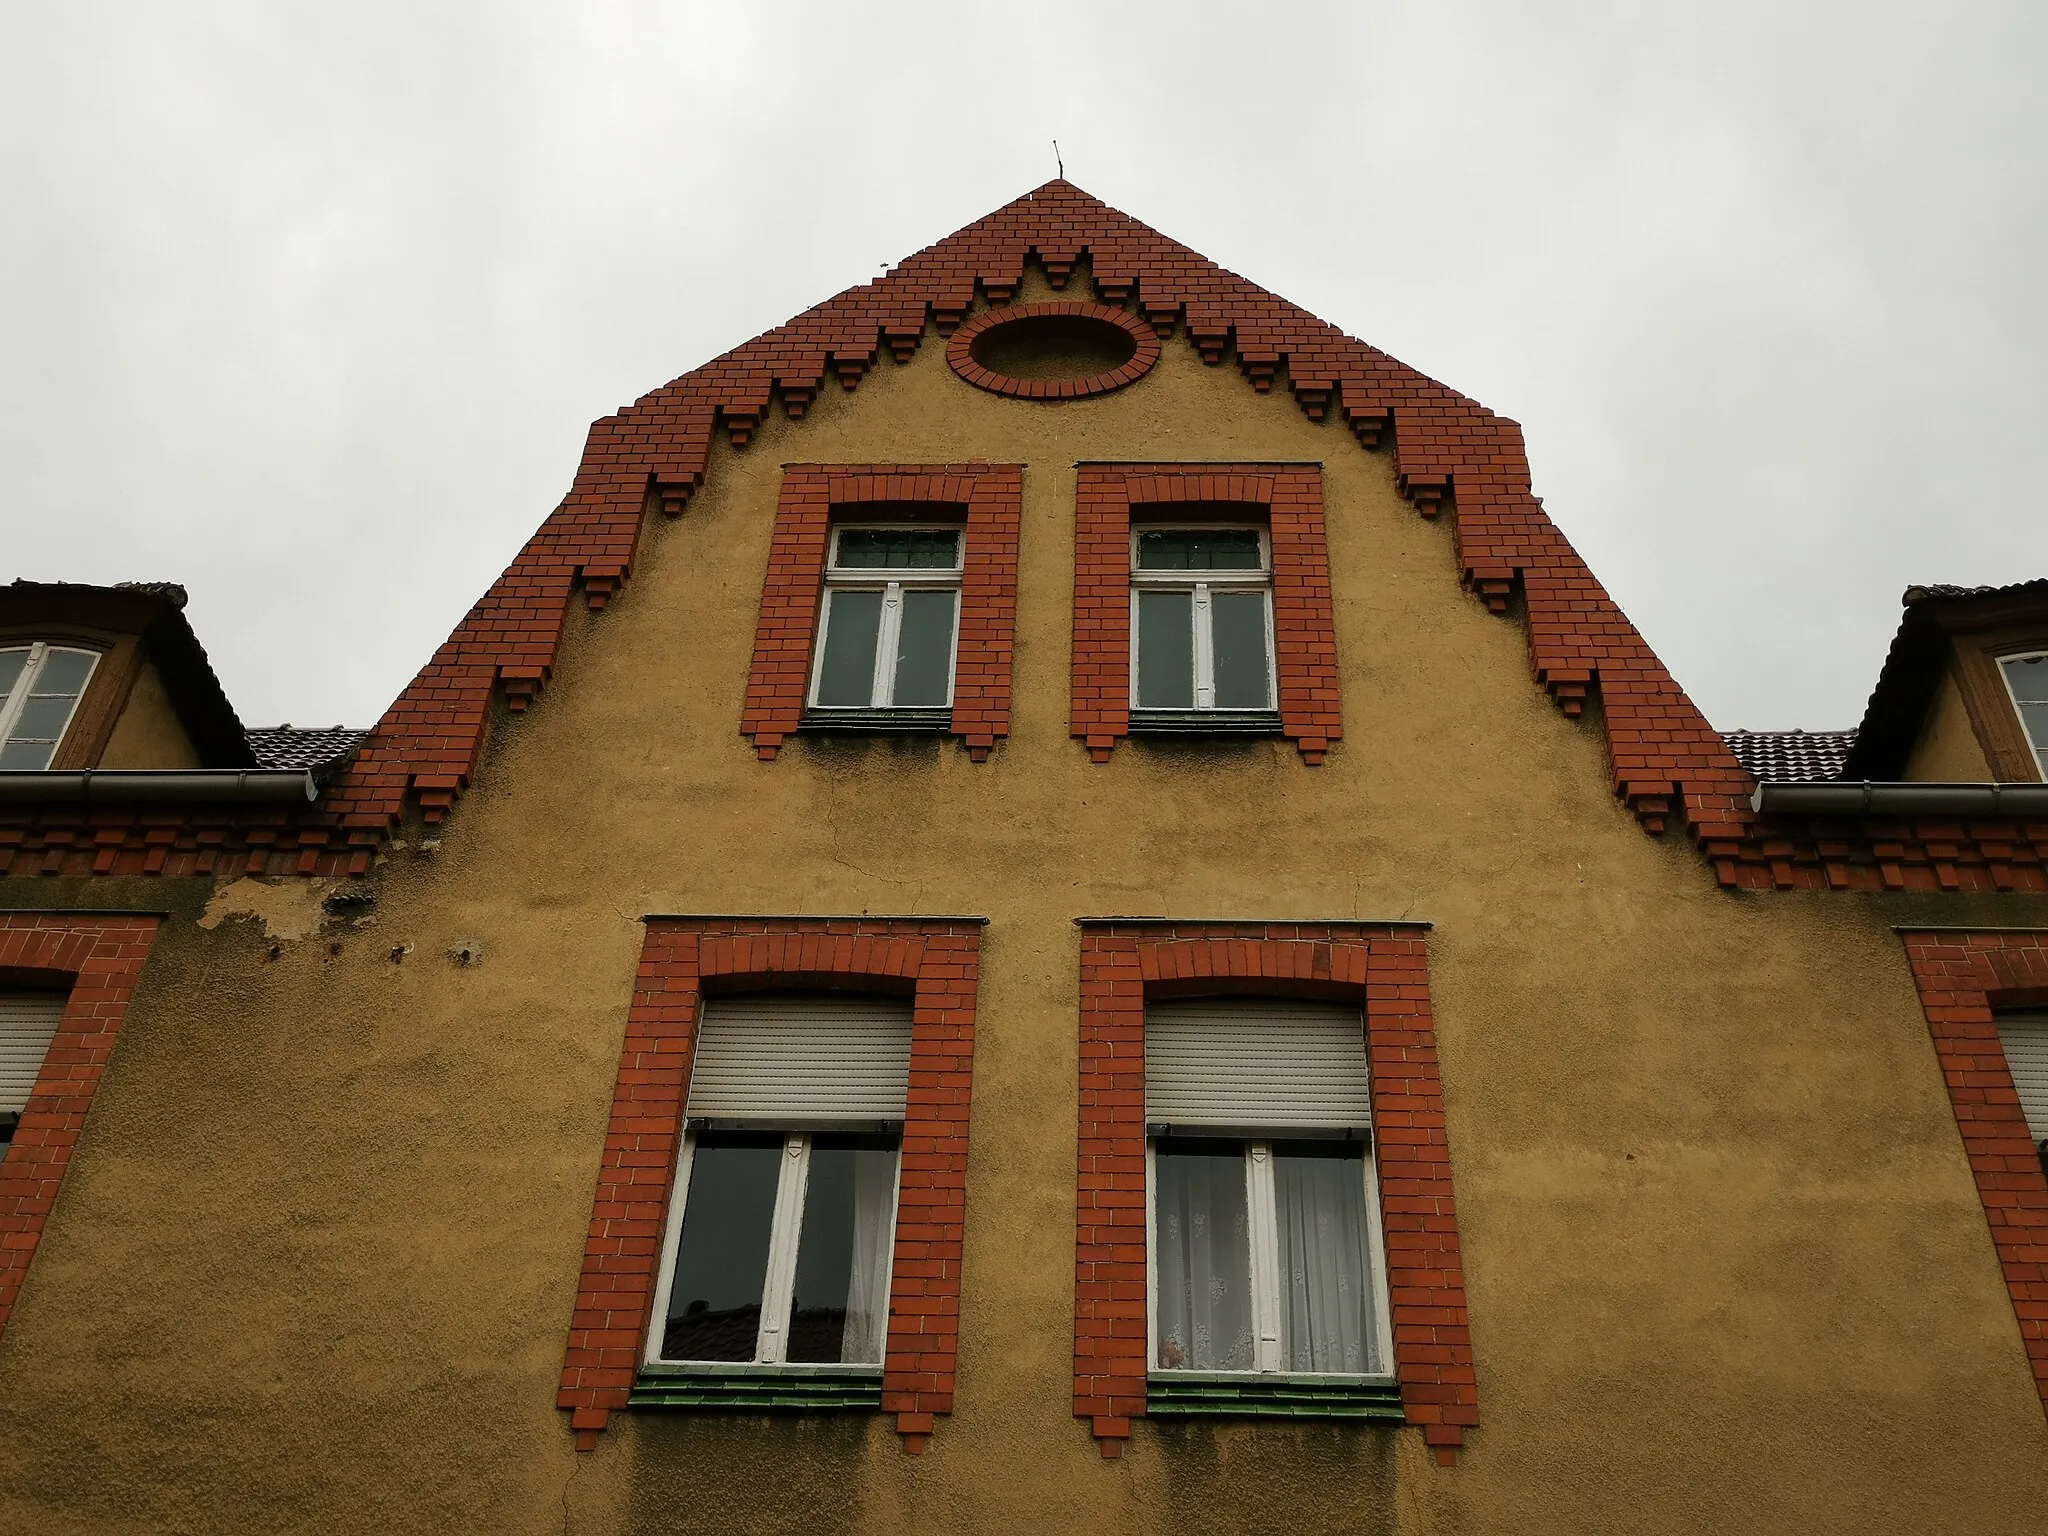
(1251, 492)
(2014, 973)
(937, 961)
(98, 959)
(1385, 969)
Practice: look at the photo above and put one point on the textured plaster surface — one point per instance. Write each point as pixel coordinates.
(1727, 1270)
(148, 733)
(1948, 750)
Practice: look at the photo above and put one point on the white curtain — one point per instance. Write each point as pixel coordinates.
(1327, 1321)
(1204, 1252)
(867, 1286)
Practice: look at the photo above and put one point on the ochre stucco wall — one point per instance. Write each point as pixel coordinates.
(1727, 1269)
(1948, 750)
(148, 733)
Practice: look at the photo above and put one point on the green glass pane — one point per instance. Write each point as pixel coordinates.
(1198, 549)
(1166, 650)
(721, 1273)
(1238, 633)
(924, 650)
(2028, 676)
(853, 621)
(11, 663)
(64, 673)
(899, 549)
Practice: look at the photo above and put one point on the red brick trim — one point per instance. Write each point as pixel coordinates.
(960, 352)
(938, 963)
(1962, 978)
(100, 958)
(991, 499)
(1385, 969)
(1289, 498)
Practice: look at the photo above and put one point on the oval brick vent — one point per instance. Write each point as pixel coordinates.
(1053, 351)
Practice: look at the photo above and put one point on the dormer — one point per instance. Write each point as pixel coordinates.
(109, 679)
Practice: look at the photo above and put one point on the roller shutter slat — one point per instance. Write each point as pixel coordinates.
(2025, 1037)
(1251, 1063)
(801, 1058)
(28, 1022)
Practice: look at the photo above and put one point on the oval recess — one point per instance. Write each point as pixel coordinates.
(1052, 351)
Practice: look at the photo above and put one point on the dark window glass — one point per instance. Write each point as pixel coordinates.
(924, 649)
(853, 620)
(1203, 1245)
(899, 549)
(714, 1306)
(1238, 634)
(11, 665)
(1185, 549)
(1166, 650)
(64, 674)
(1326, 1301)
(2029, 678)
(839, 1310)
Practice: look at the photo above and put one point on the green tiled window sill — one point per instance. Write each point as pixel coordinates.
(1229, 1395)
(758, 1389)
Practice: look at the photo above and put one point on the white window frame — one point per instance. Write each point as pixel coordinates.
(1202, 584)
(11, 707)
(778, 1289)
(1262, 1208)
(2039, 748)
(892, 584)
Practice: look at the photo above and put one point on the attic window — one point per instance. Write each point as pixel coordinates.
(1053, 351)
(2027, 677)
(40, 687)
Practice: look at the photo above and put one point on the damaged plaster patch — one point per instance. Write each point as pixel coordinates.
(290, 909)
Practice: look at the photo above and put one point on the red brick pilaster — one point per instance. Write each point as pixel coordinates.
(987, 497)
(937, 962)
(1286, 497)
(1963, 977)
(1382, 968)
(99, 959)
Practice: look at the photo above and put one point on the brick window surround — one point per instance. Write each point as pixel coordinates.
(988, 498)
(936, 962)
(1288, 498)
(1382, 967)
(96, 958)
(1964, 976)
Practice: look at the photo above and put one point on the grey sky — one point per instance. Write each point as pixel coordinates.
(308, 307)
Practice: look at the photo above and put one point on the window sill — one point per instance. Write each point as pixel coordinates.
(1244, 1395)
(759, 1388)
(1205, 722)
(865, 722)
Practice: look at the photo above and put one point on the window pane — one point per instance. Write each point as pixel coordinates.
(1199, 549)
(64, 673)
(27, 754)
(852, 622)
(2029, 678)
(1166, 650)
(900, 549)
(42, 719)
(11, 663)
(840, 1309)
(1202, 1246)
(924, 649)
(2035, 718)
(1237, 623)
(1326, 1291)
(714, 1301)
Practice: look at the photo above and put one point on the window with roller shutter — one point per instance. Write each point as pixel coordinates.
(28, 1022)
(2025, 1038)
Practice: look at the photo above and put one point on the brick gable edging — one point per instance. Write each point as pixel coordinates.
(1963, 977)
(936, 962)
(99, 957)
(1382, 968)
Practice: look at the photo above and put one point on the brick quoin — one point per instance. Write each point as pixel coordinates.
(1963, 978)
(988, 498)
(937, 964)
(98, 959)
(1286, 497)
(1384, 969)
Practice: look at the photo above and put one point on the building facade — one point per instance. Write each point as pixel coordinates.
(1048, 900)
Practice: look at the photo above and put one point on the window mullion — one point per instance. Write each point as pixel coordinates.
(11, 708)
(671, 1239)
(1205, 650)
(887, 634)
(1265, 1245)
(780, 1283)
(1376, 1254)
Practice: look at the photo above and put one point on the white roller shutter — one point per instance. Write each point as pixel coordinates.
(28, 1022)
(1256, 1062)
(812, 1057)
(2025, 1037)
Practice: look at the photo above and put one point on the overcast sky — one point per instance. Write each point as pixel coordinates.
(308, 306)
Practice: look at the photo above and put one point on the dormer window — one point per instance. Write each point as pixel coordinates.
(2026, 677)
(40, 687)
